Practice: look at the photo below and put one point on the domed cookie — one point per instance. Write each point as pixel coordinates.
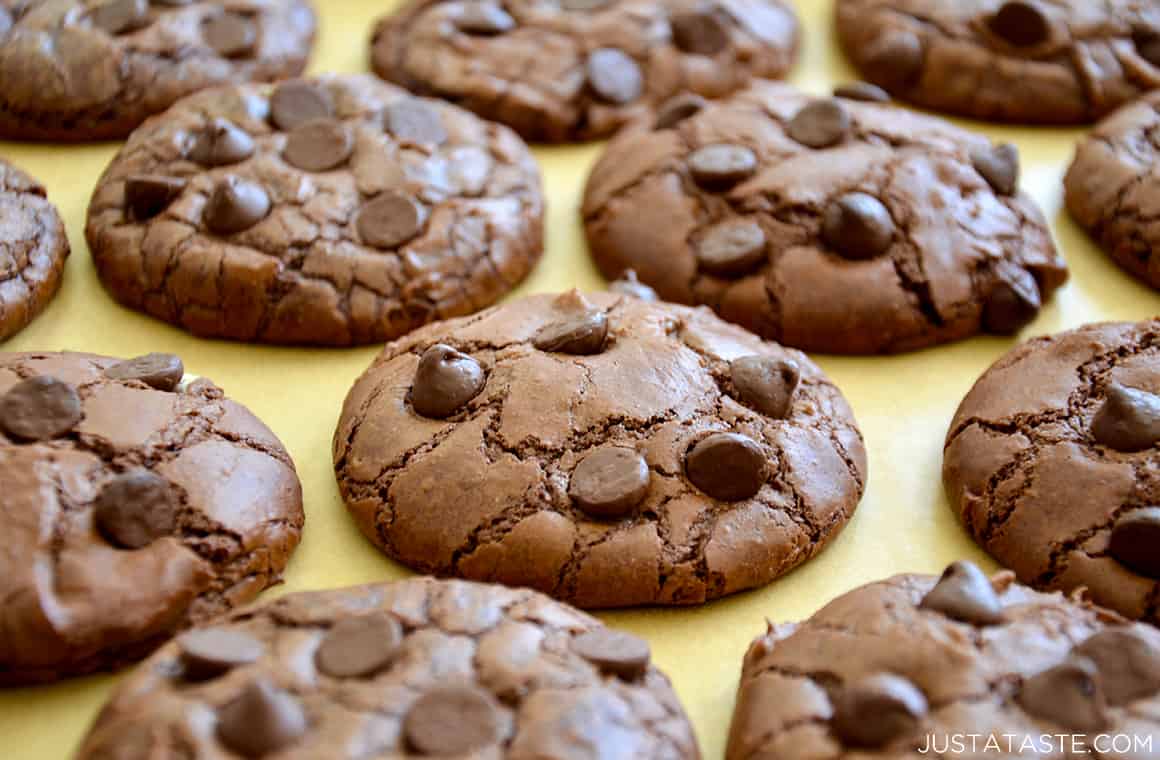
(135, 505)
(1053, 463)
(573, 70)
(74, 70)
(335, 210)
(828, 224)
(606, 449)
(1031, 61)
(415, 668)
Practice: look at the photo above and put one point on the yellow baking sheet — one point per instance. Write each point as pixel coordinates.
(903, 404)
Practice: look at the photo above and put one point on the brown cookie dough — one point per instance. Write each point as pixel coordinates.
(95, 69)
(418, 667)
(1113, 187)
(605, 449)
(829, 225)
(134, 505)
(33, 250)
(1053, 463)
(901, 668)
(1031, 61)
(572, 70)
(335, 210)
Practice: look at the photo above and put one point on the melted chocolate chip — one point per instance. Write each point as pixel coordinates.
(319, 145)
(765, 384)
(359, 646)
(678, 108)
(863, 91)
(1021, 23)
(161, 371)
(609, 482)
(877, 710)
(1128, 420)
(414, 121)
(298, 101)
(208, 653)
(444, 381)
(700, 32)
(580, 334)
(452, 721)
(1128, 663)
(614, 76)
(235, 205)
(820, 124)
(722, 165)
(965, 594)
(39, 409)
(1070, 695)
(999, 165)
(1135, 541)
(484, 19)
(120, 16)
(135, 509)
(614, 652)
(1013, 303)
(147, 195)
(726, 466)
(731, 248)
(390, 219)
(231, 35)
(221, 143)
(261, 720)
(895, 58)
(858, 226)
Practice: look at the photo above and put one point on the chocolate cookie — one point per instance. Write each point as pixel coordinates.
(419, 667)
(1032, 61)
(828, 224)
(906, 666)
(33, 250)
(571, 70)
(1053, 463)
(135, 504)
(1113, 189)
(334, 210)
(605, 449)
(95, 69)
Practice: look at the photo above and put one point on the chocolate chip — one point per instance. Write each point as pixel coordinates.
(1013, 302)
(999, 165)
(699, 32)
(484, 19)
(726, 466)
(160, 371)
(580, 334)
(390, 219)
(609, 482)
(1148, 45)
(731, 248)
(864, 91)
(629, 285)
(261, 720)
(1135, 541)
(231, 35)
(221, 143)
(678, 108)
(1128, 663)
(858, 226)
(299, 101)
(1020, 23)
(211, 652)
(319, 145)
(452, 721)
(39, 409)
(965, 594)
(615, 652)
(135, 509)
(895, 58)
(722, 165)
(878, 709)
(411, 120)
(444, 381)
(235, 205)
(614, 76)
(1128, 420)
(765, 384)
(359, 646)
(147, 195)
(1070, 695)
(120, 16)
(819, 124)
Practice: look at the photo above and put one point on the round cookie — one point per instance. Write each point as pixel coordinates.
(335, 210)
(414, 668)
(1053, 463)
(95, 69)
(135, 504)
(830, 224)
(902, 667)
(605, 449)
(1113, 187)
(1030, 61)
(574, 70)
(33, 250)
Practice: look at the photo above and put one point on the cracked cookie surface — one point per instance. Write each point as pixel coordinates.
(1040, 470)
(876, 673)
(603, 449)
(335, 210)
(33, 250)
(1113, 187)
(826, 224)
(1031, 61)
(467, 670)
(95, 69)
(573, 70)
(134, 506)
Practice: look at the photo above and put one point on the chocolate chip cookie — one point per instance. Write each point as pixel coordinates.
(33, 250)
(606, 449)
(1031, 61)
(335, 210)
(135, 504)
(572, 70)
(1053, 463)
(828, 224)
(418, 667)
(95, 69)
(902, 667)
